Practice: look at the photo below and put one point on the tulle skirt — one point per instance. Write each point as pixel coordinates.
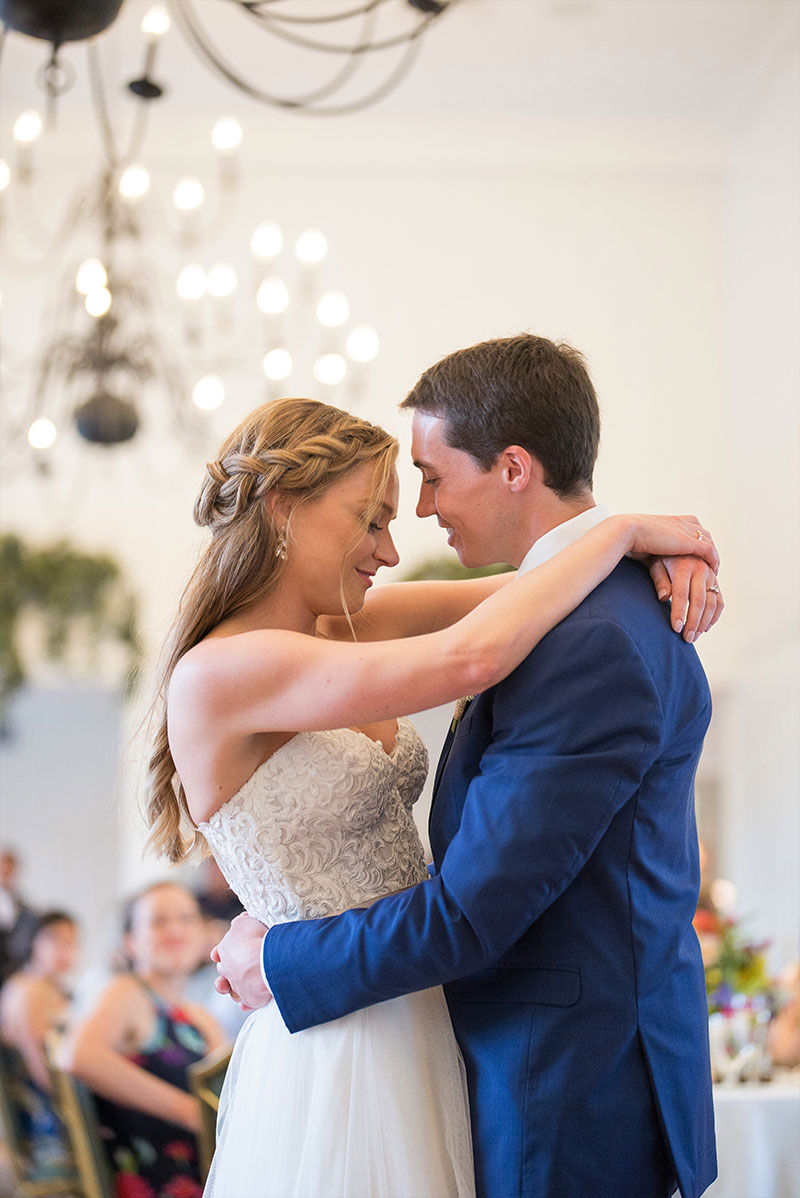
(373, 1105)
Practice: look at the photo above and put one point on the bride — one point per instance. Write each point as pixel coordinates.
(281, 746)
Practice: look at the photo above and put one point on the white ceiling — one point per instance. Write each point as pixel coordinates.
(695, 60)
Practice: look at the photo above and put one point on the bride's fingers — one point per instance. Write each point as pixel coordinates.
(709, 550)
(717, 610)
(660, 577)
(702, 602)
(681, 577)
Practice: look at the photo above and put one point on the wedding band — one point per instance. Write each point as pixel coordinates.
(699, 535)
(714, 589)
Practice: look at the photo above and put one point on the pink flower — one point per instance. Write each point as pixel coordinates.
(130, 1185)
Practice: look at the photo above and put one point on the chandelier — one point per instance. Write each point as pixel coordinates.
(148, 324)
(341, 36)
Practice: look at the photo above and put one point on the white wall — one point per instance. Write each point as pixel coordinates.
(760, 715)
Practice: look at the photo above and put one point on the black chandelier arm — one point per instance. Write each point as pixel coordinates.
(139, 128)
(195, 33)
(254, 8)
(362, 47)
(196, 36)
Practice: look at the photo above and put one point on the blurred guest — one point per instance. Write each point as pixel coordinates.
(134, 1048)
(17, 919)
(33, 1003)
(783, 1037)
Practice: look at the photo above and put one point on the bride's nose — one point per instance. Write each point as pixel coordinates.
(385, 550)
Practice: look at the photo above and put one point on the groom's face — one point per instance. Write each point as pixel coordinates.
(467, 501)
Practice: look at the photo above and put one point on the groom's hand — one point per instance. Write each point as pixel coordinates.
(238, 961)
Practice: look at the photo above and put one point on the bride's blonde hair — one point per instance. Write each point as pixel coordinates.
(294, 448)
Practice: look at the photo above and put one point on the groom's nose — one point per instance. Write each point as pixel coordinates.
(425, 503)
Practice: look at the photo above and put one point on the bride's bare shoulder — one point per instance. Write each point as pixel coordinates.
(223, 660)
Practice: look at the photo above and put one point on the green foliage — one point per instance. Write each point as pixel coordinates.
(450, 568)
(62, 585)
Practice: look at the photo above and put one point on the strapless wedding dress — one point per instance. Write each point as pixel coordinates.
(373, 1105)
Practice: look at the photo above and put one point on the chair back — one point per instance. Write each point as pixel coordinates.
(31, 1182)
(77, 1109)
(206, 1078)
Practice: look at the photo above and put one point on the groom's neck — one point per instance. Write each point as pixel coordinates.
(545, 514)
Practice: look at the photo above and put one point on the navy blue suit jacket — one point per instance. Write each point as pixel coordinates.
(559, 918)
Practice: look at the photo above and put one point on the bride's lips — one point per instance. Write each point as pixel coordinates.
(365, 577)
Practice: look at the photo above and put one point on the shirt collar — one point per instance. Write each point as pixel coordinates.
(562, 535)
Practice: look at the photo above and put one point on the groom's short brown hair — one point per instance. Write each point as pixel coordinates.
(522, 390)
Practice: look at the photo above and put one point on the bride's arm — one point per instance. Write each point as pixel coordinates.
(400, 609)
(273, 680)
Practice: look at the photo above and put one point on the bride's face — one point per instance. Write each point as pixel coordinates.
(337, 544)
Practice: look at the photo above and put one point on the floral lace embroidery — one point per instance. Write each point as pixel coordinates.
(324, 824)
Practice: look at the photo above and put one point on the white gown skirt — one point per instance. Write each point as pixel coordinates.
(373, 1105)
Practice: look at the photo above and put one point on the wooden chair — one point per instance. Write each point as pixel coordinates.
(76, 1107)
(206, 1078)
(30, 1183)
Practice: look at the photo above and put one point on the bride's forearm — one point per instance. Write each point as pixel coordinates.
(494, 638)
(501, 632)
(404, 609)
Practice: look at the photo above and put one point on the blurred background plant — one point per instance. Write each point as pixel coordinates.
(62, 605)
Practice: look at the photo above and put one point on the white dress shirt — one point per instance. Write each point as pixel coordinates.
(562, 535)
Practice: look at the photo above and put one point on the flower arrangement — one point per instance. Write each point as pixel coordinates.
(740, 998)
(735, 967)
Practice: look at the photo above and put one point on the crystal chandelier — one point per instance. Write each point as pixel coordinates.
(117, 359)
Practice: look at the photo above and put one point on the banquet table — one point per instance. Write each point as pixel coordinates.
(758, 1139)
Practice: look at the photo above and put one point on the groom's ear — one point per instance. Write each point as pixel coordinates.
(519, 468)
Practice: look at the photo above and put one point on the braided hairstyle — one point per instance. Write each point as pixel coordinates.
(295, 448)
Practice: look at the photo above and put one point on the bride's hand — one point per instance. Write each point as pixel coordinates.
(685, 571)
(693, 588)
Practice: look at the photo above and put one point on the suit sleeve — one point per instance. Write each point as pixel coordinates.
(574, 729)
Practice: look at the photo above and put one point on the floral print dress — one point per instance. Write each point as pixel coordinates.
(150, 1157)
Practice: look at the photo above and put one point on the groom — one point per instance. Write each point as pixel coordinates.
(559, 916)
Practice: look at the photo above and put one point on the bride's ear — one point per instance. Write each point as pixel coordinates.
(519, 468)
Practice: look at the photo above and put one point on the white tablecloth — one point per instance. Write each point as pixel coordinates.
(758, 1139)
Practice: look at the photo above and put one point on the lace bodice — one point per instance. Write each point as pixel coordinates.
(323, 824)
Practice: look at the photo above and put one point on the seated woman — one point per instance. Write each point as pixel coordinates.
(135, 1047)
(33, 1003)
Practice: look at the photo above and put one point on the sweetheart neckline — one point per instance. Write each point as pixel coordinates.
(402, 722)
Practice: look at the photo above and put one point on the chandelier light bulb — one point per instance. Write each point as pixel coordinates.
(333, 309)
(188, 195)
(134, 182)
(311, 247)
(91, 276)
(155, 22)
(27, 127)
(267, 240)
(208, 392)
(330, 369)
(273, 296)
(42, 433)
(363, 343)
(278, 364)
(98, 301)
(221, 280)
(226, 135)
(192, 282)
(5, 174)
